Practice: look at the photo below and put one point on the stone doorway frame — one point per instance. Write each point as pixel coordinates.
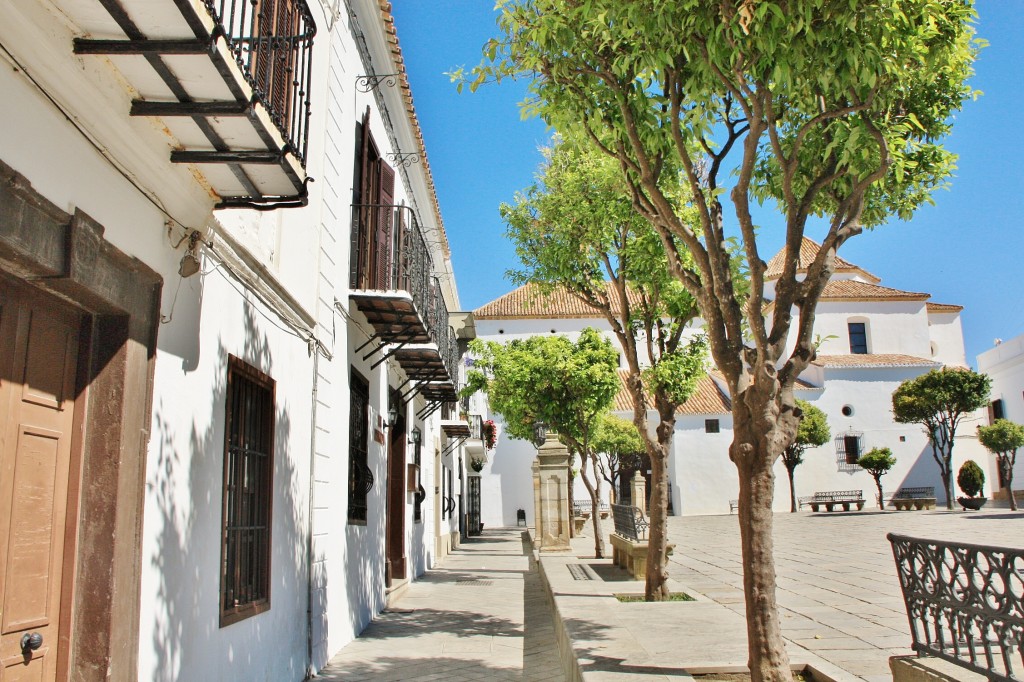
(66, 255)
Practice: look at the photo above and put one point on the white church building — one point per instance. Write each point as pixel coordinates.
(872, 338)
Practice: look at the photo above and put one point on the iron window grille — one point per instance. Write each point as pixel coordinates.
(849, 447)
(360, 477)
(247, 493)
(711, 426)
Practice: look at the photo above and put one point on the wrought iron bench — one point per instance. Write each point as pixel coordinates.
(964, 603)
(916, 498)
(830, 498)
(629, 541)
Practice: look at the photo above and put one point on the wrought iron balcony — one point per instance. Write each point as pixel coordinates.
(230, 80)
(394, 287)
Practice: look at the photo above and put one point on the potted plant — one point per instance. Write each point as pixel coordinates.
(477, 464)
(971, 479)
(490, 434)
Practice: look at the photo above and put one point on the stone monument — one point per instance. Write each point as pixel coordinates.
(552, 496)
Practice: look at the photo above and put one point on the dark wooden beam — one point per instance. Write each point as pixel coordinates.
(146, 47)
(266, 158)
(231, 108)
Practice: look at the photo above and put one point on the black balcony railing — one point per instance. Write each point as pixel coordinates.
(272, 41)
(965, 603)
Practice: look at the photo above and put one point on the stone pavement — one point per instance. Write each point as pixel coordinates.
(481, 615)
(837, 586)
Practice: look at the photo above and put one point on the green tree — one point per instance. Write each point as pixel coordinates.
(577, 230)
(1003, 438)
(620, 444)
(567, 385)
(812, 432)
(939, 401)
(832, 110)
(877, 462)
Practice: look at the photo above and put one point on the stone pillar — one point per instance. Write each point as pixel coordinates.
(536, 503)
(553, 483)
(640, 493)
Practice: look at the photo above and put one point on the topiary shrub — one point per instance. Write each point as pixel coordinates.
(970, 478)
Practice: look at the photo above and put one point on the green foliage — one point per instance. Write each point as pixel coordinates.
(970, 478)
(1003, 437)
(617, 437)
(877, 461)
(812, 432)
(548, 378)
(939, 398)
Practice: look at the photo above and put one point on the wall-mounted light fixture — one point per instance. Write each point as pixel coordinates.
(392, 417)
(417, 435)
(189, 264)
(540, 433)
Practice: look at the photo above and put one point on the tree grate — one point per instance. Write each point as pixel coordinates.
(469, 582)
(581, 572)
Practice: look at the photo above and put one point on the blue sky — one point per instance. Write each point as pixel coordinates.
(968, 249)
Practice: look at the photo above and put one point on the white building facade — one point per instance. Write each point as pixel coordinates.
(1004, 363)
(871, 337)
(229, 338)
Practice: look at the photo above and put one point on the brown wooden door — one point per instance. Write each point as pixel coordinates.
(395, 531)
(39, 346)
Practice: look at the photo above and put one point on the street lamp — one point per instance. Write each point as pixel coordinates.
(540, 433)
(392, 417)
(416, 435)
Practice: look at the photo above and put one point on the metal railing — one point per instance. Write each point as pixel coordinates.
(629, 522)
(272, 42)
(965, 603)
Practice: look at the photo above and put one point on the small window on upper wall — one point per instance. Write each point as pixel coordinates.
(858, 337)
(710, 426)
(997, 410)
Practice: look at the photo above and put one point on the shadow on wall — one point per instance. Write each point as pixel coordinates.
(923, 472)
(187, 641)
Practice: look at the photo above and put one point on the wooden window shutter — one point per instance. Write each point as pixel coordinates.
(360, 239)
(384, 225)
(287, 27)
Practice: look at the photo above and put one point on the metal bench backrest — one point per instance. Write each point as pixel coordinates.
(629, 522)
(964, 603)
(833, 495)
(911, 493)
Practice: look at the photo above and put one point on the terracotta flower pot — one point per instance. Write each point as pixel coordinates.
(972, 503)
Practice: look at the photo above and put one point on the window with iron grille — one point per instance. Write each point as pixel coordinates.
(711, 426)
(248, 486)
(851, 448)
(360, 478)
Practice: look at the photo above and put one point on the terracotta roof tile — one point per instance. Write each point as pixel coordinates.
(873, 360)
(808, 250)
(944, 308)
(853, 290)
(528, 302)
(708, 399)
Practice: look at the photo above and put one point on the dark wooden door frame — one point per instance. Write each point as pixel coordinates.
(394, 543)
(67, 255)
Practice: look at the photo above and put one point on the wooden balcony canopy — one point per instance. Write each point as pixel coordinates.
(455, 428)
(229, 80)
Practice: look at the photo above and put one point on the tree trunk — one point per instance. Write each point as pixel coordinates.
(595, 510)
(572, 500)
(878, 484)
(792, 490)
(947, 483)
(1006, 469)
(656, 578)
(768, 660)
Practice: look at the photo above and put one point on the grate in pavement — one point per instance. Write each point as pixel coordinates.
(473, 581)
(581, 572)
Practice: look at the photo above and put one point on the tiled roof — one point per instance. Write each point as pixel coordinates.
(944, 308)
(853, 290)
(410, 111)
(528, 302)
(808, 250)
(708, 399)
(802, 385)
(873, 360)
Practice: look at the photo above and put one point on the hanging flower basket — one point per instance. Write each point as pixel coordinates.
(477, 464)
(489, 433)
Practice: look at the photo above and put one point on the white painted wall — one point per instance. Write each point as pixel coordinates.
(947, 338)
(1004, 363)
(892, 326)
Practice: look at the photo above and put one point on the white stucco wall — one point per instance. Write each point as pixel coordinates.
(947, 338)
(1004, 363)
(892, 326)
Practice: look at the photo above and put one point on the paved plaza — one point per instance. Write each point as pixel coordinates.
(482, 615)
(837, 586)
